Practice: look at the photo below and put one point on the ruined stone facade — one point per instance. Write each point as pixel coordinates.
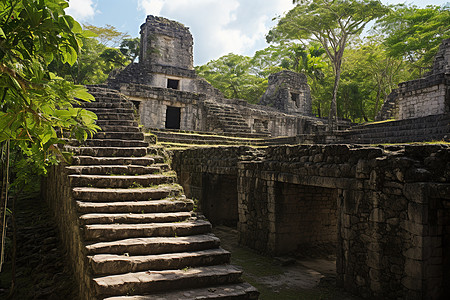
(426, 96)
(169, 94)
(288, 92)
(385, 209)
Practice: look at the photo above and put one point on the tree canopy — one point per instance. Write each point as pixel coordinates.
(414, 34)
(401, 47)
(332, 23)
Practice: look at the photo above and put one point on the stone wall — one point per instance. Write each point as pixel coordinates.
(57, 192)
(386, 209)
(209, 175)
(153, 103)
(166, 42)
(417, 99)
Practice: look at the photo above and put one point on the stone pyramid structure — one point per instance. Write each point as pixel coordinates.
(139, 237)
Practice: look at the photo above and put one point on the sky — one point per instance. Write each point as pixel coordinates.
(219, 27)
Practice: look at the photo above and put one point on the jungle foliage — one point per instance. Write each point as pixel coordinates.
(400, 46)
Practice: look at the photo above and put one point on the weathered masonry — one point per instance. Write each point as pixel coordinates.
(426, 96)
(386, 209)
(169, 94)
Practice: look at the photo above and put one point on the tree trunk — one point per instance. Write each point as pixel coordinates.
(4, 198)
(332, 117)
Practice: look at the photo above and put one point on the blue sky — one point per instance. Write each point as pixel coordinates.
(218, 26)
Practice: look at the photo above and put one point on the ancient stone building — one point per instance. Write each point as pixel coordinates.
(288, 92)
(422, 97)
(169, 95)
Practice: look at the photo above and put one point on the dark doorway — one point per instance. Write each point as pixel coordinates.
(173, 117)
(295, 97)
(173, 84)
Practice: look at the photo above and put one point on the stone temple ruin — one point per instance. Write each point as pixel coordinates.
(385, 209)
(170, 95)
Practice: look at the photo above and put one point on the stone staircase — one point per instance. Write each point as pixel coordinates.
(423, 129)
(141, 238)
(227, 120)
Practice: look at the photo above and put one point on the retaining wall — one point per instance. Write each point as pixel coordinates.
(386, 208)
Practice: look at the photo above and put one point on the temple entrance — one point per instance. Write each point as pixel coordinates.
(173, 117)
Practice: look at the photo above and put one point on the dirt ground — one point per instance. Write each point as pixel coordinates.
(284, 278)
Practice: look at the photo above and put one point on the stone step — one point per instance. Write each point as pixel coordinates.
(103, 123)
(130, 218)
(107, 104)
(113, 169)
(121, 195)
(119, 135)
(109, 143)
(141, 161)
(113, 110)
(238, 291)
(157, 281)
(120, 181)
(152, 206)
(119, 128)
(115, 116)
(108, 151)
(155, 245)
(110, 232)
(109, 264)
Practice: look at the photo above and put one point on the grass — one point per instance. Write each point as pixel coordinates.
(442, 142)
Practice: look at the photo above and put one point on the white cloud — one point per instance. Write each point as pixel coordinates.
(151, 7)
(81, 10)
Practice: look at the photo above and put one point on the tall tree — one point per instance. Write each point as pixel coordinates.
(332, 23)
(414, 34)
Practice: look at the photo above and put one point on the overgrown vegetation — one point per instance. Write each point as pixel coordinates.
(38, 107)
(312, 37)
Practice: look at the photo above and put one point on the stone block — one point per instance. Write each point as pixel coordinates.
(418, 213)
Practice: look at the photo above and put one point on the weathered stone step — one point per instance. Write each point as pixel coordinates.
(108, 151)
(113, 110)
(239, 291)
(130, 218)
(113, 169)
(157, 281)
(119, 128)
(153, 206)
(109, 143)
(115, 116)
(119, 135)
(155, 245)
(109, 232)
(120, 181)
(109, 264)
(103, 123)
(141, 161)
(138, 194)
(112, 103)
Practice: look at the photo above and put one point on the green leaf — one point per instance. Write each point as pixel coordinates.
(81, 92)
(2, 33)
